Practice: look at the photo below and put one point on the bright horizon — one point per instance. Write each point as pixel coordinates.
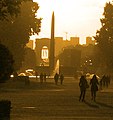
(79, 18)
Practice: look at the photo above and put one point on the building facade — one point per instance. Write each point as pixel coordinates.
(89, 41)
(44, 43)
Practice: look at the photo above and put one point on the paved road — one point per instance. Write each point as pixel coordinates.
(56, 102)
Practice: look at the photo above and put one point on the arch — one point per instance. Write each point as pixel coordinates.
(44, 53)
(42, 45)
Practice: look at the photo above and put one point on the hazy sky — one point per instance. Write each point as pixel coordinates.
(79, 18)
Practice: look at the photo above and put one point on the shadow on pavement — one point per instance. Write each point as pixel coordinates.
(91, 105)
(104, 105)
(97, 104)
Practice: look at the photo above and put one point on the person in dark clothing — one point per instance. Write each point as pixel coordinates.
(56, 77)
(44, 77)
(109, 79)
(61, 78)
(36, 74)
(102, 82)
(83, 86)
(41, 77)
(94, 87)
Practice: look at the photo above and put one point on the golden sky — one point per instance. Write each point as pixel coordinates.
(79, 18)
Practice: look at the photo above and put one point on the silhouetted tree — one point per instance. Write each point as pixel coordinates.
(15, 33)
(104, 37)
(10, 8)
(6, 63)
(30, 59)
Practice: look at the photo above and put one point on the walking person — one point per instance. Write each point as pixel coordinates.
(41, 77)
(83, 86)
(36, 74)
(61, 78)
(94, 87)
(100, 84)
(45, 77)
(56, 77)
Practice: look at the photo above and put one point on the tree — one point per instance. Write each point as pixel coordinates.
(30, 59)
(7, 8)
(104, 37)
(10, 8)
(6, 63)
(15, 34)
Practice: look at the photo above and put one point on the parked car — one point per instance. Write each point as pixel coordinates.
(21, 74)
(25, 74)
(30, 72)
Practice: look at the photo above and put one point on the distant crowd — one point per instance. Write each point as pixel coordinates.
(57, 78)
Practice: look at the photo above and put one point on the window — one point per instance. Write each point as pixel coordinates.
(44, 53)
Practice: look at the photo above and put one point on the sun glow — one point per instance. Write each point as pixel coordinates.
(76, 17)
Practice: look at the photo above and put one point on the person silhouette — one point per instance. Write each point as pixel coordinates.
(83, 86)
(94, 87)
(36, 74)
(45, 77)
(61, 78)
(56, 77)
(41, 77)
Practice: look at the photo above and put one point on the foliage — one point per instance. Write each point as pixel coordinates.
(6, 63)
(30, 59)
(10, 8)
(15, 33)
(104, 37)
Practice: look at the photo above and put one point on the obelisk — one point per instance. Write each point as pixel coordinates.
(52, 44)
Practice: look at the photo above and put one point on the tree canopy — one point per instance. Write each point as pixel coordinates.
(29, 60)
(104, 37)
(16, 33)
(6, 63)
(10, 8)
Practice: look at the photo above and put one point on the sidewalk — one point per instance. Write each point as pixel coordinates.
(56, 102)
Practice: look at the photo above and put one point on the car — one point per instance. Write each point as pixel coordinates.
(21, 74)
(30, 72)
